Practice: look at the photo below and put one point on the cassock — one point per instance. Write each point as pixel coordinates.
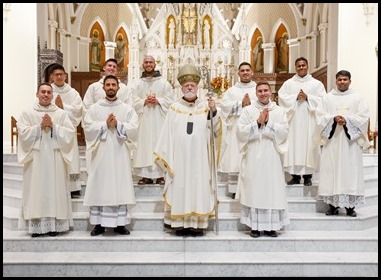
(46, 203)
(73, 106)
(261, 183)
(231, 109)
(151, 119)
(109, 181)
(341, 180)
(303, 155)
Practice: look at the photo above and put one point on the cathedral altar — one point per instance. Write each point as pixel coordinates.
(191, 33)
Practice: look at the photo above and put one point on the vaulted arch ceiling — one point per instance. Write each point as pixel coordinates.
(229, 11)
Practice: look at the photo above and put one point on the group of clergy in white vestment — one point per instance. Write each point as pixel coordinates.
(183, 143)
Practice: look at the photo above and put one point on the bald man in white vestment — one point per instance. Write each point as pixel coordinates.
(152, 95)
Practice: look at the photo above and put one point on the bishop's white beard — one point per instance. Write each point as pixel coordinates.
(189, 95)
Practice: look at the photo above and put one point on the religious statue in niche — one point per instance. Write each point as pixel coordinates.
(120, 50)
(282, 48)
(171, 33)
(96, 46)
(189, 23)
(258, 55)
(206, 34)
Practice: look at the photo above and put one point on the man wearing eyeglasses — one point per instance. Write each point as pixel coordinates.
(68, 99)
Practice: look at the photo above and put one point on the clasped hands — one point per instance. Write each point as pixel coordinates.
(302, 96)
(59, 102)
(263, 117)
(340, 120)
(246, 100)
(111, 121)
(46, 123)
(151, 100)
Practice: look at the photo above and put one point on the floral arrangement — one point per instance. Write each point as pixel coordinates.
(219, 84)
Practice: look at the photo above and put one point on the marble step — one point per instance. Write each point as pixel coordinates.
(14, 181)
(11, 166)
(16, 168)
(227, 241)
(12, 198)
(368, 158)
(142, 221)
(371, 169)
(182, 264)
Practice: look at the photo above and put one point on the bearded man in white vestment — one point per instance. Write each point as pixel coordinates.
(110, 126)
(46, 146)
(183, 151)
(343, 125)
(152, 95)
(301, 96)
(235, 99)
(96, 92)
(68, 99)
(262, 133)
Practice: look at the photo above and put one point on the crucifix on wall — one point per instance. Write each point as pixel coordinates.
(189, 22)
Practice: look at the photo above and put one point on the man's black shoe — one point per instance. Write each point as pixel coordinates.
(307, 182)
(255, 233)
(76, 194)
(97, 230)
(332, 210)
(196, 232)
(122, 230)
(37, 234)
(294, 181)
(351, 212)
(53, 233)
(271, 233)
(182, 232)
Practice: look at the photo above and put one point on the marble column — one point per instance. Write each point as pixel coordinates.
(53, 25)
(110, 48)
(311, 50)
(303, 47)
(268, 57)
(134, 63)
(83, 53)
(293, 52)
(65, 48)
(323, 44)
